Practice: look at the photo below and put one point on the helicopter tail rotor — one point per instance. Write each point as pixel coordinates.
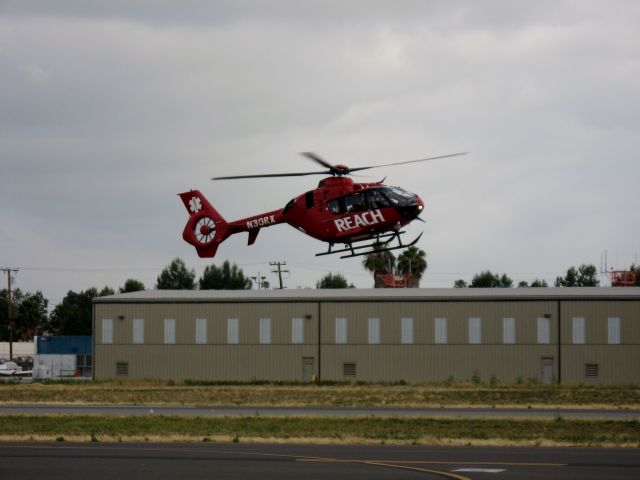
(206, 228)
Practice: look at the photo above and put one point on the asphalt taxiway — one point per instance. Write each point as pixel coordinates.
(132, 461)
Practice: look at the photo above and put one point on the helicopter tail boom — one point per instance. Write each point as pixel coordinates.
(206, 228)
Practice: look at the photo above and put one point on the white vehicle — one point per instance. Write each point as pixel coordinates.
(12, 369)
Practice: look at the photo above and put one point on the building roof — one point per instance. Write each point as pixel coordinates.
(373, 294)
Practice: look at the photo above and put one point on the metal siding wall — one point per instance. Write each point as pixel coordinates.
(423, 363)
(212, 361)
(426, 361)
(424, 314)
(389, 361)
(614, 361)
(618, 364)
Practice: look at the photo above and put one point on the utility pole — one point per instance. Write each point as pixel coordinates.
(279, 271)
(259, 280)
(8, 272)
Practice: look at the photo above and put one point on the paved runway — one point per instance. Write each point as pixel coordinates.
(133, 410)
(68, 461)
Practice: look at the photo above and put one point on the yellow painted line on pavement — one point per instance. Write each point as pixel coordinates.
(418, 469)
(389, 464)
(450, 462)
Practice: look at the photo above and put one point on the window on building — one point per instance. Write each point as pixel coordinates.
(83, 365)
(578, 330)
(341, 330)
(297, 330)
(474, 330)
(138, 330)
(613, 330)
(265, 330)
(406, 333)
(107, 330)
(169, 330)
(543, 330)
(233, 331)
(508, 330)
(374, 330)
(201, 330)
(441, 330)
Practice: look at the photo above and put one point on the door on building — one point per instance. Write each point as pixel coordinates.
(547, 370)
(308, 369)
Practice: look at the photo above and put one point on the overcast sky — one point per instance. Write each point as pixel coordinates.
(109, 109)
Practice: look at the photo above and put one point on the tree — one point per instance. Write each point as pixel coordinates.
(585, 276)
(460, 283)
(537, 283)
(487, 279)
(73, 315)
(379, 263)
(175, 276)
(331, 280)
(131, 285)
(227, 277)
(28, 312)
(413, 262)
(106, 291)
(31, 318)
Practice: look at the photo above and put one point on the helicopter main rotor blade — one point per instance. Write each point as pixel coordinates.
(317, 159)
(332, 169)
(410, 161)
(270, 175)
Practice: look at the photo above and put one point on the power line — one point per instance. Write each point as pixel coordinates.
(64, 269)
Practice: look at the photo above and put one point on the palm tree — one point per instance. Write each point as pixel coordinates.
(379, 263)
(413, 262)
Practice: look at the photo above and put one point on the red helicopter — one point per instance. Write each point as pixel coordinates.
(364, 217)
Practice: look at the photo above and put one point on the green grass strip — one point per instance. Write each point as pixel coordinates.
(409, 430)
(157, 393)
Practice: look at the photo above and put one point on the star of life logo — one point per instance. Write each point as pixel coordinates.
(195, 205)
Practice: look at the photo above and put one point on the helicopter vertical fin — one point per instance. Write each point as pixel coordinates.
(253, 234)
(206, 228)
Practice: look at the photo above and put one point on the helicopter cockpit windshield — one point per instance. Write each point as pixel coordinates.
(399, 197)
(374, 198)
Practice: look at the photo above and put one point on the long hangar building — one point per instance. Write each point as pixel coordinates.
(567, 335)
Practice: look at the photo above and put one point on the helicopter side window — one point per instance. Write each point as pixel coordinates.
(334, 206)
(354, 203)
(308, 198)
(376, 199)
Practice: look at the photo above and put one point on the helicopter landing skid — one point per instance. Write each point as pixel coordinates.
(381, 244)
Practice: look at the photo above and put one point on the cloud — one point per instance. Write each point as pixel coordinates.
(112, 108)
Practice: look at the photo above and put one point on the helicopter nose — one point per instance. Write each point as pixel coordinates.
(412, 210)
